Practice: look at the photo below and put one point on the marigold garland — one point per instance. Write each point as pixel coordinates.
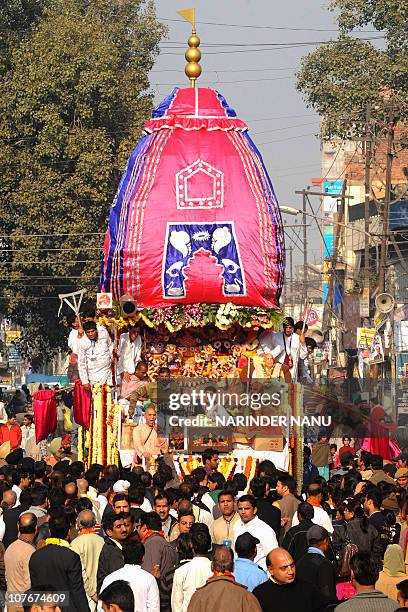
(227, 466)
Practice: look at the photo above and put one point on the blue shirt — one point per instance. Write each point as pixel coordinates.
(317, 551)
(248, 573)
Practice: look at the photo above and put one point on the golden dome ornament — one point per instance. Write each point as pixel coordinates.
(193, 53)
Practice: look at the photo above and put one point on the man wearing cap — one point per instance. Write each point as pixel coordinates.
(94, 358)
(314, 567)
(247, 572)
(286, 347)
(401, 477)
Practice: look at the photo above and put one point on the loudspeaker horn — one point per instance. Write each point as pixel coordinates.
(384, 302)
(128, 306)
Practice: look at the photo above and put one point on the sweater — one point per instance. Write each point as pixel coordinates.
(295, 540)
(298, 596)
(368, 601)
(317, 570)
(321, 454)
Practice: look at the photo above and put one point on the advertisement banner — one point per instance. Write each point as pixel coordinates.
(402, 384)
(365, 337)
(365, 303)
(328, 233)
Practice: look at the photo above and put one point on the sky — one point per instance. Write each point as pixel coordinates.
(257, 81)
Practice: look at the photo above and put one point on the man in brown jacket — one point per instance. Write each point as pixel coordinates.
(221, 592)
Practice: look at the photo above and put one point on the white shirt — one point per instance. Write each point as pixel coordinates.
(17, 491)
(26, 434)
(102, 501)
(3, 413)
(73, 341)
(146, 506)
(143, 585)
(265, 534)
(278, 345)
(94, 360)
(208, 501)
(202, 516)
(320, 517)
(187, 579)
(130, 353)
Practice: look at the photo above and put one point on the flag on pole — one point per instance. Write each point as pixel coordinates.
(188, 15)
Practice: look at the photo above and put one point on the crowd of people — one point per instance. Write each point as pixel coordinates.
(125, 540)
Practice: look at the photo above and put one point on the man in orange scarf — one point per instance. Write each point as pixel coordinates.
(159, 554)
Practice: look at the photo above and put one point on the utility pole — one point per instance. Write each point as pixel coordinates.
(329, 306)
(291, 272)
(387, 200)
(367, 193)
(305, 275)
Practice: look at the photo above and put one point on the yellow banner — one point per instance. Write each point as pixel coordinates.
(188, 15)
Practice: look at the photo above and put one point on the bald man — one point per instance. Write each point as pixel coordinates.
(18, 554)
(88, 546)
(146, 442)
(9, 499)
(221, 592)
(283, 591)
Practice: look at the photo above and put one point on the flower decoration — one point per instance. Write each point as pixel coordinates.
(223, 316)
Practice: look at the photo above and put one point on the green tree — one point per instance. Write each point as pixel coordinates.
(342, 78)
(72, 104)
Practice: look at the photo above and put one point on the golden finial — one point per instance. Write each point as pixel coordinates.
(193, 53)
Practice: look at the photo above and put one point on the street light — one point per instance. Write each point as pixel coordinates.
(290, 210)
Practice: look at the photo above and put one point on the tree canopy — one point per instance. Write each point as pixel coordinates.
(74, 94)
(342, 78)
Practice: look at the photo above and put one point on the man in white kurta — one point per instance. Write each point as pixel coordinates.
(95, 357)
(285, 346)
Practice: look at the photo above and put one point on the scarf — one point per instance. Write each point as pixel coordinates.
(149, 533)
(93, 530)
(57, 542)
(313, 502)
(225, 573)
(394, 561)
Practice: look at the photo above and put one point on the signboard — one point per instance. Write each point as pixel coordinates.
(377, 351)
(312, 317)
(12, 336)
(365, 303)
(401, 336)
(365, 337)
(104, 301)
(402, 384)
(328, 233)
(14, 358)
(331, 188)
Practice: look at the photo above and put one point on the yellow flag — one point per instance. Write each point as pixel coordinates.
(188, 15)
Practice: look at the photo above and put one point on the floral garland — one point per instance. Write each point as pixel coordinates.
(181, 316)
(112, 427)
(80, 447)
(99, 444)
(227, 466)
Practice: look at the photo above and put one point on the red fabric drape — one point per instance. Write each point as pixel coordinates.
(45, 413)
(82, 405)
